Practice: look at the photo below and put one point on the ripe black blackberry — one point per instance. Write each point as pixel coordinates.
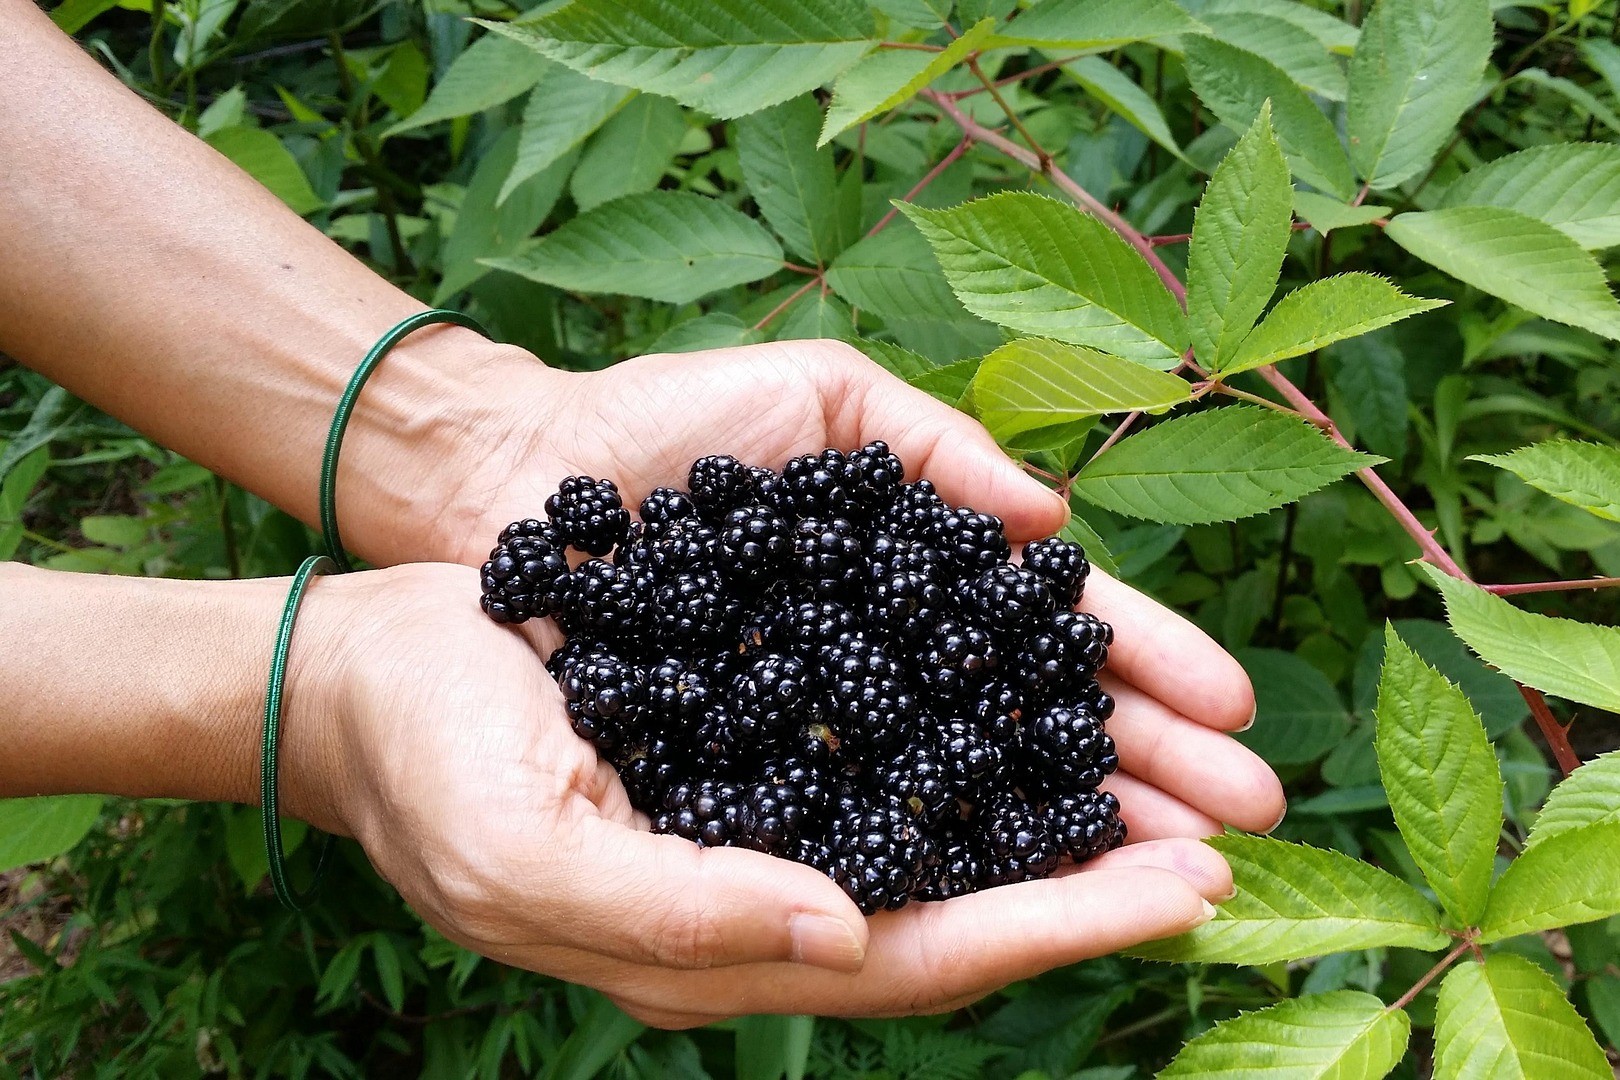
(875, 474)
(684, 544)
(589, 513)
(603, 695)
(719, 484)
(1062, 564)
(649, 766)
(576, 648)
(814, 486)
(998, 708)
(973, 541)
(693, 608)
(956, 660)
(814, 783)
(913, 512)
(1064, 749)
(773, 817)
(971, 758)
(754, 539)
(957, 871)
(611, 603)
(920, 778)
(1018, 844)
(1009, 600)
(679, 693)
(1060, 658)
(809, 624)
(776, 691)
(867, 690)
(1094, 699)
(906, 594)
(1086, 825)
(664, 506)
(706, 812)
(527, 573)
(828, 557)
(878, 853)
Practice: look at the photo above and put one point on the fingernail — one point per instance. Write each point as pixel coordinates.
(826, 942)
(1208, 913)
(1229, 896)
(1252, 717)
(1279, 820)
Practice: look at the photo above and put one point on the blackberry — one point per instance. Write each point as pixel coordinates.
(1018, 844)
(589, 513)
(707, 812)
(813, 783)
(920, 778)
(913, 512)
(867, 690)
(612, 602)
(755, 539)
(1010, 600)
(1096, 700)
(603, 695)
(773, 817)
(957, 659)
(649, 766)
(664, 506)
(998, 709)
(775, 692)
(973, 541)
(814, 486)
(1064, 749)
(678, 693)
(1063, 655)
(810, 624)
(906, 594)
(1086, 825)
(875, 475)
(684, 544)
(878, 852)
(527, 574)
(956, 872)
(726, 741)
(695, 607)
(1062, 564)
(720, 483)
(970, 757)
(827, 555)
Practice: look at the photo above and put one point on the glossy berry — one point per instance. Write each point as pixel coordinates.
(971, 540)
(611, 602)
(878, 853)
(957, 871)
(998, 708)
(809, 624)
(684, 544)
(919, 777)
(875, 474)
(1065, 749)
(720, 483)
(866, 688)
(649, 765)
(679, 693)
(695, 607)
(906, 592)
(773, 817)
(1087, 824)
(664, 506)
(1018, 842)
(707, 812)
(828, 557)
(1062, 564)
(776, 691)
(971, 758)
(755, 540)
(913, 512)
(1009, 600)
(589, 513)
(815, 486)
(603, 695)
(957, 659)
(526, 576)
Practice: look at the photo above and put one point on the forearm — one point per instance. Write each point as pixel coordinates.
(150, 276)
(154, 688)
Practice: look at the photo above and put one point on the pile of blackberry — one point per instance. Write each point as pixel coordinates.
(829, 665)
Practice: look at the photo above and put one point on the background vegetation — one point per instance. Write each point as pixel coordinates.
(140, 937)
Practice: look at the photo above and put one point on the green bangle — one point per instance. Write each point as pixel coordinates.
(269, 756)
(345, 409)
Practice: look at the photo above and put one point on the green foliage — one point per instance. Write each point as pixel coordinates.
(34, 830)
(1582, 474)
(1507, 1019)
(1343, 1035)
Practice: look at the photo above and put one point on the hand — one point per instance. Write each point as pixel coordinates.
(437, 739)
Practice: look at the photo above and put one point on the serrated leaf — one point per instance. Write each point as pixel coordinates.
(673, 246)
(262, 156)
(727, 58)
(1325, 214)
(563, 110)
(1342, 1035)
(1038, 266)
(1300, 54)
(630, 154)
(1328, 310)
(34, 830)
(893, 274)
(950, 382)
(889, 77)
(1588, 796)
(1573, 877)
(1239, 237)
(1582, 474)
(1416, 69)
(1295, 901)
(819, 315)
(714, 330)
(1220, 465)
(1441, 777)
(1574, 92)
(793, 182)
(1560, 656)
(1078, 531)
(492, 70)
(1506, 1019)
(1334, 33)
(1119, 92)
(1235, 83)
(1037, 383)
(1574, 187)
(897, 361)
(1299, 715)
(1515, 257)
(483, 230)
(1095, 24)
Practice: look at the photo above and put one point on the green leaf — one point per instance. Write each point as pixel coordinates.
(1119, 92)
(819, 315)
(792, 181)
(1325, 214)
(1588, 796)
(1299, 53)
(1327, 310)
(493, 69)
(262, 156)
(1295, 901)
(1515, 257)
(631, 153)
(71, 16)
(714, 330)
(34, 830)
(1441, 777)
(244, 844)
(949, 383)
(1219, 465)
(1334, 33)
(483, 230)
(902, 363)
(1573, 877)
(888, 77)
(892, 274)
(1582, 474)
(598, 1037)
(1035, 383)
(1235, 84)
(1077, 531)
(1038, 266)
(1574, 187)
(673, 246)
(1560, 656)
(14, 493)
(1299, 716)
(1343, 1035)
(389, 973)
(727, 58)
(1239, 237)
(1095, 24)
(1574, 92)
(563, 111)
(1506, 1019)
(773, 1047)
(1415, 70)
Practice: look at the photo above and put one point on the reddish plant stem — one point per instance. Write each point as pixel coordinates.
(798, 269)
(914, 46)
(978, 73)
(785, 304)
(933, 174)
(1450, 958)
(1552, 586)
(1028, 73)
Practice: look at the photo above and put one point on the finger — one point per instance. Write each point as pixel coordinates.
(1168, 657)
(1195, 862)
(950, 448)
(1150, 814)
(1205, 769)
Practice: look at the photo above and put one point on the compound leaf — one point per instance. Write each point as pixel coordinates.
(1328, 310)
(1582, 474)
(1036, 383)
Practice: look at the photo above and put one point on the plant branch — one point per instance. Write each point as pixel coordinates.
(1552, 586)
(1040, 153)
(771, 315)
(933, 174)
(1433, 973)
(1027, 73)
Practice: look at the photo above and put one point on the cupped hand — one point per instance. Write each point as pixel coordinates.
(446, 751)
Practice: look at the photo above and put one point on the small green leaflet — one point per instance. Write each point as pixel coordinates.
(773, 1047)
(673, 246)
(892, 274)
(1299, 715)
(1219, 465)
(630, 154)
(563, 110)
(1574, 877)
(1563, 657)
(714, 330)
(727, 58)
(1119, 92)
(34, 830)
(1296, 51)
(1039, 266)
(1235, 84)
(1036, 383)
(1442, 779)
(1239, 237)
(1603, 57)
(484, 231)
(1574, 187)
(1328, 310)
(1582, 474)
(597, 1037)
(794, 183)
(1515, 257)
(1588, 796)
(1325, 214)
(1342, 1035)
(1078, 531)
(1095, 24)
(886, 78)
(1416, 69)
(492, 70)
(1574, 92)
(1295, 901)
(1506, 1019)
(262, 156)
(1334, 33)
(819, 315)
